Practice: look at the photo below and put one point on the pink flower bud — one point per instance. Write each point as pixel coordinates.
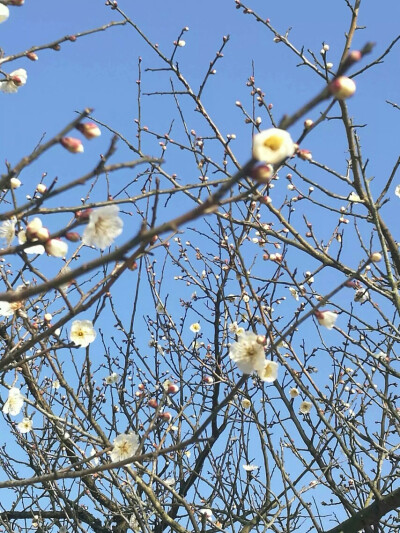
(165, 417)
(72, 145)
(152, 403)
(208, 380)
(262, 173)
(304, 154)
(56, 247)
(172, 388)
(72, 236)
(89, 129)
(32, 56)
(342, 87)
(83, 214)
(354, 56)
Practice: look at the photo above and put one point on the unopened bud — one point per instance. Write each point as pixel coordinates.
(342, 87)
(72, 236)
(89, 130)
(304, 154)
(308, 123)
(376, 257)
(262, 173)
(32, 56)
(72, 145)
(15, 183)
(56, 247)
(41, 188)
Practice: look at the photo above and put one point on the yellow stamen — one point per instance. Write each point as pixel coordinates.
(274, 142)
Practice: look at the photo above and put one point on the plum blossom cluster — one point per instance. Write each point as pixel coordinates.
(35, 232)
(249, 355)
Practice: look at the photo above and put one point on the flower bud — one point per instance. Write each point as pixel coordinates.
(72, 145)
(376, 257)
(41, 188)
(32, 229)
(15, 183)
(90, 130)
(342, 87)
(72, 236)
(152, 403)
(262, 173)
(4, 13)
(308, 123)
(32, 56)
(48, 317)
(172, 388)
(304, 154)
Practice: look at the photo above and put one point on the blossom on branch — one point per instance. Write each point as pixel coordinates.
(25, 425)
(56, 247)
(124, 446)
(103, 227)
(7, 230)
(326, 318)
(4, 13)
(273, 146)
(248, 353)
(73, 145)
(305, 407)
(90, 130)
(82, 332)
(342, 87)
(16, 79)
(14, 402)
(270, 371)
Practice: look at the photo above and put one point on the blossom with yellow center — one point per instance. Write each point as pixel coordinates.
(248, 353)
(124, 446)
(82, 332)
(270, 371)
(103, 227)
(273, 146)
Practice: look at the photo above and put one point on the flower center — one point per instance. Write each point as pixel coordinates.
(274, 142)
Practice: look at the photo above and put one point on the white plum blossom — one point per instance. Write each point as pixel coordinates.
(234, 328)
(246, 403)
(82, 332)
(25, 425)
(305, 407)
(195, 328)
(293, 393)
(14, 402)
(354, 197)
(326, 318)
(17, 78)
(7, 229)
(294, 293)
(206, 512)
(124, 446)
(4, 13)
(397, 191)
(103, 227)
(248, 353)
(56, 248)
(270, 371)
(272, 146)
(112, 378)
(250, 468)
(361, 295)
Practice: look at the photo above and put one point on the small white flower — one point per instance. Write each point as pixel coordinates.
(305, 407)
(7, 229)
(270, 371)
(326, 318)
(82, 332)
(17, 78)
(272, 146)
(14, 402)
(246, 403)
(124, 446)
(94, 460)
(56, 384)
(294, 293)
(293, 393)
(397, 191)
(206, 512)
(361, 295)
(234, 328)
(160, 309)
(104, 226)
(25, 426)
(353, 197)
(56, 247)
(112, 378)
(248, 353)
(195, 328)
(181, 42)
(4, 13)
(250, 468)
